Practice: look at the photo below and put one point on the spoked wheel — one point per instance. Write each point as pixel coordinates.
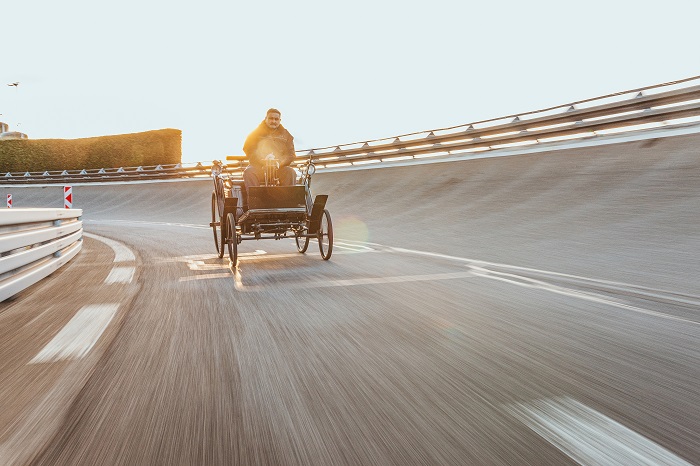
(218, 232)
(302, 243)
(231, 239)
(325, 236)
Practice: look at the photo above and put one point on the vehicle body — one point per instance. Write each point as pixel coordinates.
(268, 211)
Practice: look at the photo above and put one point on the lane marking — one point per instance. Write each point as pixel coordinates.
(145, 223)
(208, 276)
(383, 280)
(121, 252)
(531, 283)
(79, 335)
(335, 283)
(589, 437)
(344, 244)
(649, 291)
(120, 275)
(478, 268)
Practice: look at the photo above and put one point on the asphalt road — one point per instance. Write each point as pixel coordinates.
(539, 309)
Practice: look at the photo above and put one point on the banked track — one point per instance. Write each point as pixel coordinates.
(470, 303)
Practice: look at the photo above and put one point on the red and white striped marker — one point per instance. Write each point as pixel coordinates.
(9, 201)
(68, 197)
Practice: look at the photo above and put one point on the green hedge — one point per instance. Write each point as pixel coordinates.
(163, 146)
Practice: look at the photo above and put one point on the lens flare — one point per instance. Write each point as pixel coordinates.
(352, 228)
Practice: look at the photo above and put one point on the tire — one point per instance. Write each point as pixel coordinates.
(232, 239)
(218, 244)
(302, 243)
(325, 235)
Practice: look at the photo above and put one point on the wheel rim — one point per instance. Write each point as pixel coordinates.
(213, 220)
(325, 236)
(302, 243)
(232, 239)
(222, 237)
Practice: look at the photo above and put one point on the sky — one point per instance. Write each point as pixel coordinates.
(340, 72)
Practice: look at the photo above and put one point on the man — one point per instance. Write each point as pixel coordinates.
(270, 137)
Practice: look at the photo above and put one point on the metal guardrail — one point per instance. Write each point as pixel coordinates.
(158, 172)
(34, 243)
(630, 111)
(632, 114)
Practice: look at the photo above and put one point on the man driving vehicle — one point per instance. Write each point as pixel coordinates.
(269, 140)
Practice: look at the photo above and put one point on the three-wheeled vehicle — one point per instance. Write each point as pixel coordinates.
(269, 211)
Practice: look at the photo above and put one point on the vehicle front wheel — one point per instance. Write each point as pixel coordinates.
(325, 235)
(232, 239)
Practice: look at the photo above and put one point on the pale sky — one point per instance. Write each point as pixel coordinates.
(339, 72)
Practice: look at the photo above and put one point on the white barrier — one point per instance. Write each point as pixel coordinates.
(34, 243)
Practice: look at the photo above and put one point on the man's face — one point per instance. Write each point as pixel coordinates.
(272, 120)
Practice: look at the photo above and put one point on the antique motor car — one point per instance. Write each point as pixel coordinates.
(269, 211)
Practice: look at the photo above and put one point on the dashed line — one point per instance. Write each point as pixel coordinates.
(79, 335)
(121, 252)
(589, 437)
(120, 275)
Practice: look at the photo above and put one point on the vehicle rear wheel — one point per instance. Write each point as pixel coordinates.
(219, 244)
(232, 239)
(302, 243)
(325, 235)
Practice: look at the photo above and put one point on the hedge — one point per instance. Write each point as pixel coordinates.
(149, 148)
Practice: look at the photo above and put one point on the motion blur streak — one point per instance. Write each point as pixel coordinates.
(392, 370)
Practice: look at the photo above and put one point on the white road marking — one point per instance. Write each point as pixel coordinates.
(588, 437)
(531, 283)
(477, 266)
(120, 275)
(201, 265)
(478, 262)
(351, 246)
(335, 283)
(290, 254)
(144, 223)
(207, 276)
(79, 335)
(121, 252)
(383, 280)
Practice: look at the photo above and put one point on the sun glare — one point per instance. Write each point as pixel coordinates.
(352, 228)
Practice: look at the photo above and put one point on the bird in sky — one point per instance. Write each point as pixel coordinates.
(16, 83)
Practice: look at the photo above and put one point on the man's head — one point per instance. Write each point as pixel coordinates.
(273, 118)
